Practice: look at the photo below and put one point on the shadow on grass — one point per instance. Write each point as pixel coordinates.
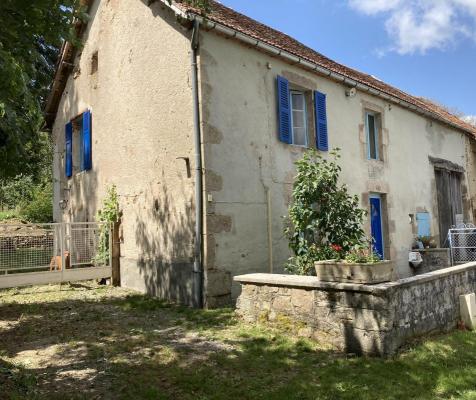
(142, 348)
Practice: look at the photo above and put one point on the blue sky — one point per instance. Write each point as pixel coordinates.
(425, 47)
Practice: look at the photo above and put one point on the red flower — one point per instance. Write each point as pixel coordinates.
(336, 247)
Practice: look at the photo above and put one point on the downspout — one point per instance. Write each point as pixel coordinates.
(197, 288)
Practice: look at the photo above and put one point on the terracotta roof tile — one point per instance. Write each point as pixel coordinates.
(243, 24)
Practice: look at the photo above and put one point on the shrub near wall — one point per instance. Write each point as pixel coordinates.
(325, 221)
(40, 207)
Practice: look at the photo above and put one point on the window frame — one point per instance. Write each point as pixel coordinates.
(306, 117)
(78, 140)
(376, 135)
(77, 146)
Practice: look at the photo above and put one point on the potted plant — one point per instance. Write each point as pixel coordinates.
(427, 241)
(359, 265)
(325, 227)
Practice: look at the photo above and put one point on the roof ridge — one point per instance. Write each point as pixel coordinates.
(248, 26)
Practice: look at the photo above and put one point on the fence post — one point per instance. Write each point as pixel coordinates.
(62, 249)
(115, 255)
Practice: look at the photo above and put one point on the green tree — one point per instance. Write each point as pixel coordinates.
(325, 220)
(30, 36)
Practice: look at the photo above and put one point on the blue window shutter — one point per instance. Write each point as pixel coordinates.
(322, 141)
(86, 157)
(68, 157)
(423, 224)
(284, 110)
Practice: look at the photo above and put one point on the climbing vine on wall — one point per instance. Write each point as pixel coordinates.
(106, 216)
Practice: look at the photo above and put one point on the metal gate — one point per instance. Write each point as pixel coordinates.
(462, 241)
(50, 253)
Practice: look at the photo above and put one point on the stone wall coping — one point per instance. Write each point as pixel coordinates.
(431, 250)
(311, 282)
(298, 281)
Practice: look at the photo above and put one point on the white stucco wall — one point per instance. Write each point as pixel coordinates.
(141, 105)
(244, 156)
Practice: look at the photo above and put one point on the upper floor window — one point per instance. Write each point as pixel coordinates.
(295, 123)
(299, 118)
(373, 135)
(94, 62)
(78, 143)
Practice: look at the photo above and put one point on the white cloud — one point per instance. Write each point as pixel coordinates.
(374, 6)
(416, 26)
(470, 119)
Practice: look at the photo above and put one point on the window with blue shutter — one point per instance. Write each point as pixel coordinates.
(322, 141)
(423, 224)
(86, 156)
(68, 157)
(78, 144)
(284, 110)
(371, 126)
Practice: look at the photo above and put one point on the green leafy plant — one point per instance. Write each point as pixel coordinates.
(362, 254)
(106, 216)
(31, 34)
(40, 207)
(325, 221)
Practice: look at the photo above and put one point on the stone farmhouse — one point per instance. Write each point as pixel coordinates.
(198, 120)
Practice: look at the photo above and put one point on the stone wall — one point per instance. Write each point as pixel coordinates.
(433, 259)
(361, 319)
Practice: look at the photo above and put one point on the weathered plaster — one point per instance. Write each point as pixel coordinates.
(242, 108)
(141, 124)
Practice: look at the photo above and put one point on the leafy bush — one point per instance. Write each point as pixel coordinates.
(6, 215)
(16, 190)
(325, 220)
(40, 207)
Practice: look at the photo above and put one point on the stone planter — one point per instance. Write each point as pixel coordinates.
(340, 271)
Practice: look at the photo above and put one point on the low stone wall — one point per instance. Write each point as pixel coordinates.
(361, 319)
(433, 260)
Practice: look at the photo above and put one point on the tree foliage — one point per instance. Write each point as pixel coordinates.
(325, 220)
(30, 36)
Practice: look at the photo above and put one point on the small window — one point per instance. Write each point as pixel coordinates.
(78, 145)
(78, 141)
(94, 63)
(372, 136)
(299, 119)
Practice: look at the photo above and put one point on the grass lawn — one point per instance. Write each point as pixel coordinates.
(92, 342)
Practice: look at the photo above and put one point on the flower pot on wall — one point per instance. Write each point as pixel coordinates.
(341, 271)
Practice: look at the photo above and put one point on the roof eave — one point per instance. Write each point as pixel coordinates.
(64, 66)
(304, 63)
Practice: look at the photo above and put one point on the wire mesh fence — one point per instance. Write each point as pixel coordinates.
(462, 244)
(52, 247)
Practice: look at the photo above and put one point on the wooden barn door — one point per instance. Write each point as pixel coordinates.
(450, 201)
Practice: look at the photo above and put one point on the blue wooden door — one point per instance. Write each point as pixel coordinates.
(376, 224)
